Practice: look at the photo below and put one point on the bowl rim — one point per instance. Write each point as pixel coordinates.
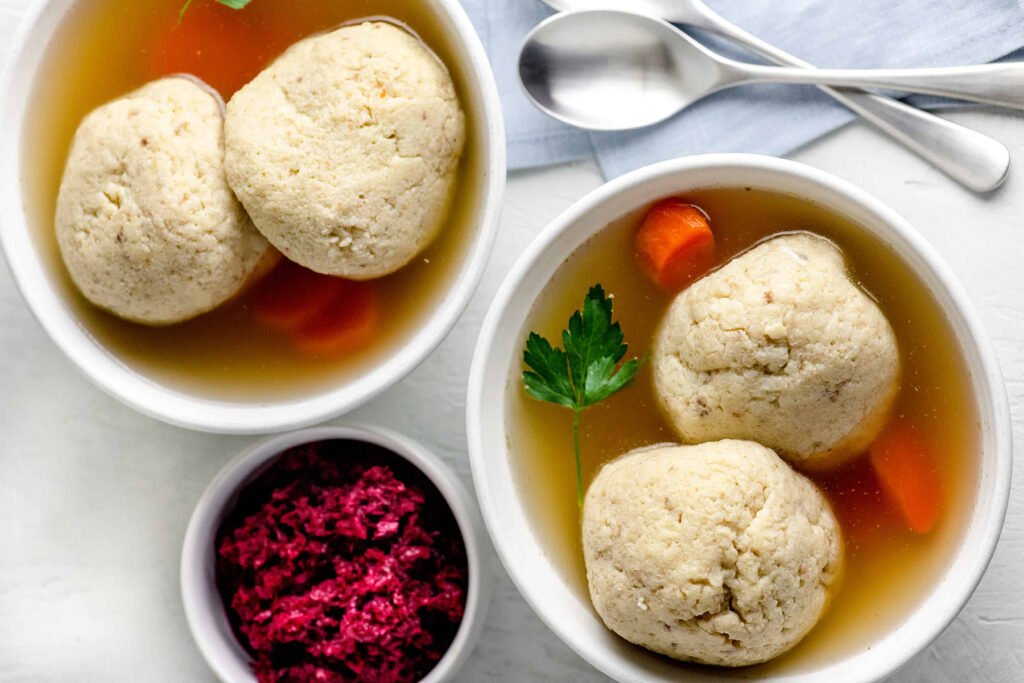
(207, 619)
(191, 410)
(480, 394)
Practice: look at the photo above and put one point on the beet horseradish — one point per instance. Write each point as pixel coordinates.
(342, 561)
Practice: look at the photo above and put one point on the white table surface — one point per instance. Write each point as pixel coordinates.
(94, 499)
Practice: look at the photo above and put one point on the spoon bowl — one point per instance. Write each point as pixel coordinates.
(606, 70)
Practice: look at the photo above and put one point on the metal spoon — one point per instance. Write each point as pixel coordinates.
(583, 48)
(975, 160)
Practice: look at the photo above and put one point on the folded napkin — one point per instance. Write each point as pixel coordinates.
(767, 119)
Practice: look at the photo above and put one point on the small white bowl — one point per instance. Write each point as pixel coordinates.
(499, 350)
(148, 396)
(204, 608)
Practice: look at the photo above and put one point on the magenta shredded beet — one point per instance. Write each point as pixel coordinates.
(342, 563)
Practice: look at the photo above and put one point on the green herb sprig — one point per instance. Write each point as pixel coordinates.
(583, 373)
(233, 4)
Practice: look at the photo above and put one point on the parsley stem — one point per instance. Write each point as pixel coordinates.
(576, 445)
(583, 372)
(181, 12)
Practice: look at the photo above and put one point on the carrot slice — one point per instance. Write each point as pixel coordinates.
(909, 476)
(675, 244)
(291, 296)
(224, 47)
(347, 323)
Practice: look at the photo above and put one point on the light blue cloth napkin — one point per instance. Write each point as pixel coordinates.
(767, 119)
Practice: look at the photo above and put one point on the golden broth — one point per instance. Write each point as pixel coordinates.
(106, 48)
(889, 570)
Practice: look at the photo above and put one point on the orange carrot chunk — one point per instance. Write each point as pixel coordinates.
(224, 47)
(291, 296)
(909, 476)
(674, 244)
(348, 323)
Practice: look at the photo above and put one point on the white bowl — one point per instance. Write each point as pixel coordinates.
(204, 609)
(34, 279)
(499, 349)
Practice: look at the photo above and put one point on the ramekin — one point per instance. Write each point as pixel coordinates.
(204, 608)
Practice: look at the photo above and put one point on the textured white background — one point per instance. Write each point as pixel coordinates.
(94, 499)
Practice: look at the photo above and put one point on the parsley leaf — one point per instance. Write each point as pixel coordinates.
(584, 372)
(549, 381)
(233, 4)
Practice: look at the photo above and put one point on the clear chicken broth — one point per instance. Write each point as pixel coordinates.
(887, 571)
(106, 48)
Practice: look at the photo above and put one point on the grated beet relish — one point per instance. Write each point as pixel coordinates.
(342, 562)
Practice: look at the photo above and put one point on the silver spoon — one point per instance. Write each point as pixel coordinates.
(975, 160)
(612, 70)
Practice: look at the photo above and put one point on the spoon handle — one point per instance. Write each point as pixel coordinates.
(971, 158)
(1000, 84)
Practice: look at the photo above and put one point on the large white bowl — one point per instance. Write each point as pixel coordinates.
(499, 351)
(196, 412)
(204, 609)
